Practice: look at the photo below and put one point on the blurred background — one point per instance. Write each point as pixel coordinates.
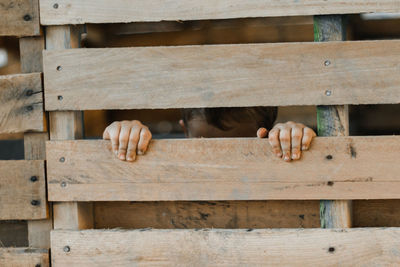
(364, 119)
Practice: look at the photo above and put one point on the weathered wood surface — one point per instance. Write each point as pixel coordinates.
(22, 190)
(272, 247)
(333, 121)
(21, 103)
(223, 75)
(19, 17)
(98, 11)
(376, 213)
(64, 126)
(207, 214)
(225, 169)
(24, 257)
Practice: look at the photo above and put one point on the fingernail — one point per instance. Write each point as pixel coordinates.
(129, 159)
(287, 158)
(140, 152)
(304, 148)
(122, 157)
(295, 156)
(279, 154)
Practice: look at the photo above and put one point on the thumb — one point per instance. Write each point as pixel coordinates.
(262, 132)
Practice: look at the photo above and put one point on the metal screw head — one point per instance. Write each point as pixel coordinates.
(29, 92)
(55, 6)
(35, 202)
(329, 157)
(34, 179)
(62, 159)
(327, 63)
(60, 97)
(59, 68)
(67, 249)
(330, 183)
(27, 17)
(331, 249)
(328, 92)
(63, 184)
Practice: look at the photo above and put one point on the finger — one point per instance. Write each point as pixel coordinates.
(297, 135)
(308, 135)
(114, 137)
(285, 140)
(132, 145)
(106, 134)
(123, 141)
(145, 137)
(273, 139)
(262, 133)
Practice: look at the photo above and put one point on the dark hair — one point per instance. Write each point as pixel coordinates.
(222, 117)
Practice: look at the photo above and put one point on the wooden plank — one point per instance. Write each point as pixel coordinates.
(21, 103)
(222, 247)
(207, 214)
(22, 190)
(223, 75)
(95, 11)
(333, 121)
(64, 126)
(199, 169)
(376, 213)
(19, 18)
(23, 257)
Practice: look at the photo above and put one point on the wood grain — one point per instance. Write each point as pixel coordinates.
(223, 75)
(333, 121)
(17, 191)
(220, 247)
(24, 257)
(21, 103)
(207, 214)
(19, 18)
(224, 169)
(96, 11)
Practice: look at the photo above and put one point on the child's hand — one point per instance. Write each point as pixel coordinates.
(127, 137)
(288, 139)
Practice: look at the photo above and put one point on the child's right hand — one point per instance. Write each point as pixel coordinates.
(128, 138)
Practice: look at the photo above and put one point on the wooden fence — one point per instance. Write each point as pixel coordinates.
(84, 174)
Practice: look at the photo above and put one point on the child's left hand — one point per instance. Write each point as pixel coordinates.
(288, 139)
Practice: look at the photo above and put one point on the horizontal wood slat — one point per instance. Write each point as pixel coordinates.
(225, 169)
(220, 247)
(98, 11)
(22, 190)
(19, 18)
(21, 103)
(24, 257)
(223, 75)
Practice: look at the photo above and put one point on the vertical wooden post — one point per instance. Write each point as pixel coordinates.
(332, 121)
(66, 125)
(35, 143)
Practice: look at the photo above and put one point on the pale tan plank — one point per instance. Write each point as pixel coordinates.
(17, 190)
(67, 125)
(224, 169)
(24, 257)
(274, 247)
(21, 103)
(98, 11)
(19, 17)
(207, 214)
(223, 75)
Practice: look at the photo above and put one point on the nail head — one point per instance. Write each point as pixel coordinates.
(59, 68)
(27, 17)
(29, 92)
(327, 63)
(67, 249)
(55, 6)
(328, 92)
(62, 159)
(34, 179)
(63, 184)
(60, 97)
(329, 157)
(35, 202)
(330, 183)
(331, 249)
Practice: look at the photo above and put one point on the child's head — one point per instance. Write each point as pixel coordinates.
(227, 122)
